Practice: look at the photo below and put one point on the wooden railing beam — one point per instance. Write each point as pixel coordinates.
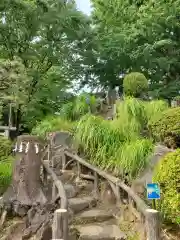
(60, 221)
(139, 202)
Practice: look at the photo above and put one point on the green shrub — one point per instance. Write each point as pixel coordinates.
(5, 148)
(5, 175)
(166, 127)
(135, 84)
(167, 174)
(51, 124)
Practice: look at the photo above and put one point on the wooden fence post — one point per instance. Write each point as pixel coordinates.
(54, 192)
(96, 189)
(153, 224)
(78, 170)
(60, 225)
(48, 155)
(63, 159)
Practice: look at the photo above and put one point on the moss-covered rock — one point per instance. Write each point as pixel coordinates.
(135, 84)
(166, 127)
(167, 174)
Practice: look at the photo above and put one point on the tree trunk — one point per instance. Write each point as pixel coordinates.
(25, 189)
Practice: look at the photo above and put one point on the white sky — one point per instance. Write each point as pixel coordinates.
(84, 6)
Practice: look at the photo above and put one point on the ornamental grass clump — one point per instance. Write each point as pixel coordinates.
(66, 111)
(82, 105)
(131, 118)
(154, 109)
(107, 147)
(134, 157)
(131, 108)
(98, 138)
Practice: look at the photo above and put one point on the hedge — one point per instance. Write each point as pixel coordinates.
(167, 174)
(166, 127)
(135, 84)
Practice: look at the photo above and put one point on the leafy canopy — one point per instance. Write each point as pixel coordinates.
(50, 39)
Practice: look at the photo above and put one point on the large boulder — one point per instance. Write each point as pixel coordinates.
(62, 138)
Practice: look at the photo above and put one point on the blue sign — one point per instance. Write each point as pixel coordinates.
(153, 191)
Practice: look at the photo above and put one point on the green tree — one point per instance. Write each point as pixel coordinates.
(139, 36)
(51, 39)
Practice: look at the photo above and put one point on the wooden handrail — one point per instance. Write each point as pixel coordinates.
(59, 185)
(139, 202)
(151, 216)
(60, 220)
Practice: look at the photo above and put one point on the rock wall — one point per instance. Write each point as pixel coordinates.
(139, 184)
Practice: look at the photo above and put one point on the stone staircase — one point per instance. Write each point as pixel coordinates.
(89, 218)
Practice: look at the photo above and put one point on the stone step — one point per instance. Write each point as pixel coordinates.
(79, 204)
(65, 176)
(86, 187)
(100, 232)
(71, 191)
(93, 215)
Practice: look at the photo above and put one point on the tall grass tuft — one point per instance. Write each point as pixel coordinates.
(51, 124)
(154, 109)
(82, 105)
(66, 111)
(129, 129)
(131, 118)
(93, 133)
(107, 146)
(134, 156)
(131, 108)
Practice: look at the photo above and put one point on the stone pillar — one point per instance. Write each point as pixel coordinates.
(25, 188)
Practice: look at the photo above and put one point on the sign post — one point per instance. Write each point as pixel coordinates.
(153, 192)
